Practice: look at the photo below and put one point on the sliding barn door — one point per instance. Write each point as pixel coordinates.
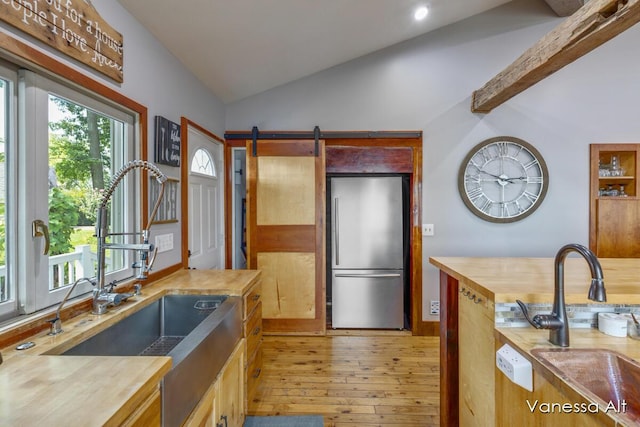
(286, 240)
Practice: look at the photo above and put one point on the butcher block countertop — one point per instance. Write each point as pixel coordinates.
(532, 279)
(40, 388)
(78, 390)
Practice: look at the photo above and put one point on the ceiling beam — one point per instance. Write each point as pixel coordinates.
(592, 25)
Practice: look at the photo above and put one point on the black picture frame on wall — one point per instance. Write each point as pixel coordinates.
(167, 142)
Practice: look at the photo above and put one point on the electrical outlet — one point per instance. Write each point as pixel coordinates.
(435, 307)
(515, 367)
(428, 229)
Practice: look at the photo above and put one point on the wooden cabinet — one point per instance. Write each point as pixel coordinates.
(614, 195)
(228, 404)
(223, 404)
(476, 358)
(516, 406)
(148, 413)
(252, 327)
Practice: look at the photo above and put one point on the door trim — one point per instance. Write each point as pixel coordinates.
(377, 149)
(185, 123)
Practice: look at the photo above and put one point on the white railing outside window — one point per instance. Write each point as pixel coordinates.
(67, 268)
(63, 269)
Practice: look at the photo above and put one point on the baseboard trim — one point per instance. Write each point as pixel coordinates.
(427, 329)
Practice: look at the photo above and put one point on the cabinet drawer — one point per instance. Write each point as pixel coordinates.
(251, 300)
(253, 330)
(254, 370)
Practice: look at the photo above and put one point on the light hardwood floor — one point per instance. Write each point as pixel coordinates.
(351, 380)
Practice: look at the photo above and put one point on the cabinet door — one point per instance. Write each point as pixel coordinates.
(618, 228)
(285, 216)
(476, 359)
(613, 218)
(229, 401)
(514, 405)
(148, 414)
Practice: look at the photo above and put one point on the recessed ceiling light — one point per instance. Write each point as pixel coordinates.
(421, 13)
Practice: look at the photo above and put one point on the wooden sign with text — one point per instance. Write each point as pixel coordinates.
(73, 27)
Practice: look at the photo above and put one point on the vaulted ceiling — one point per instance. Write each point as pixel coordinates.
(242, 47)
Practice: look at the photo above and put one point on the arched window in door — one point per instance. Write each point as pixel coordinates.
(202, 163)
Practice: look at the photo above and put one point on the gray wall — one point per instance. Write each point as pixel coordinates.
(156, 79)
(426, 84)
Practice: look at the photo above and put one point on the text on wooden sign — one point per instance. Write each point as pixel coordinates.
(73, 27)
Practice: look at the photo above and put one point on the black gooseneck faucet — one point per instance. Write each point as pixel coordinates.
(557, 322)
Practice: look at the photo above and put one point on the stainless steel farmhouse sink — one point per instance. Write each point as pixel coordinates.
(198, 332)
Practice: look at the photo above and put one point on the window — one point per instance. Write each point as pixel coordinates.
(67, 146)
(8, 301)
(202, 163)
(4, 294)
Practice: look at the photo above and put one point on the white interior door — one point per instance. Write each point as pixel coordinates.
(206, 201)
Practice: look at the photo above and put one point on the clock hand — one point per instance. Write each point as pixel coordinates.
(500, 178)
(490, 174)
(519, 178)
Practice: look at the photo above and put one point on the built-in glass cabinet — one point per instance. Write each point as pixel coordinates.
(614, 229)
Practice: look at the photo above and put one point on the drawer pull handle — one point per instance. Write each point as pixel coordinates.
(257, 373)
(256, 297)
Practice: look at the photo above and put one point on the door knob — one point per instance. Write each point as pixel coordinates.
(40, 229)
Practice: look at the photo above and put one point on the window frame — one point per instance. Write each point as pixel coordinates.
(20, 54)
(9, 74)
(33, 136)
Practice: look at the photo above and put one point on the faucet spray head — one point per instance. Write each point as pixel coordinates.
(597, 291)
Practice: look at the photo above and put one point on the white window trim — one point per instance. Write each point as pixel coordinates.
(10, 74)
(33, 292)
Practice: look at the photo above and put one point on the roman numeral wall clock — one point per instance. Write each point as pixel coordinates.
(503, 179)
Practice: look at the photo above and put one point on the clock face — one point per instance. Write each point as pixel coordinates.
(503, 179)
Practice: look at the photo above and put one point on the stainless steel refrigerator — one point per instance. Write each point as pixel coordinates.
(367, 277)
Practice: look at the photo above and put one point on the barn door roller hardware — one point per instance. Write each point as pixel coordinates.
(255, 135)
(317, 135)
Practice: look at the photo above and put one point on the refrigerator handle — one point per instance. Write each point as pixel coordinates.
(371, 276)
(336, 224)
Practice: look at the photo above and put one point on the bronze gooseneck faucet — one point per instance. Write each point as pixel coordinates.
(557, 322)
